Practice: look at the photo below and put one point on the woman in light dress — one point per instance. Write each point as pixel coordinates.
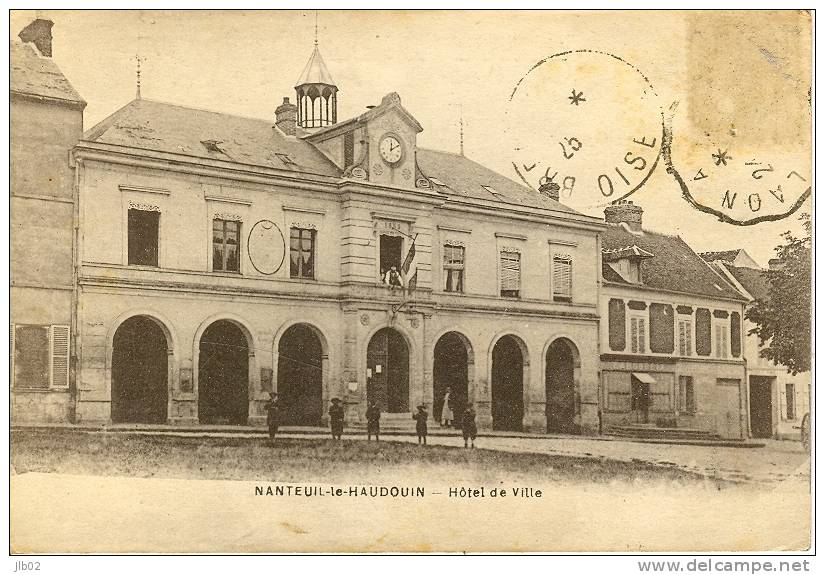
(447, 410)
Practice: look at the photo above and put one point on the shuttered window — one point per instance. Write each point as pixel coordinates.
(702, 331)
(510, 265)
(790, 402)
(685, 336)
(616, 324)
(39, 356)
(661, 328)
(60, 356)
(720, 340)
(638, 335)
(735, 334)
(562, 278)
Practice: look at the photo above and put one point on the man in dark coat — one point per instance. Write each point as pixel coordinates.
(468, 425)
(421, 424)
(273, 415)
(373, 420)
(336, 418)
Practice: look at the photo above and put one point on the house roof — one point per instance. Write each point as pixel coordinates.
(316, 71)
(726, 256)
(753, 280)
(673, 267)
(38, 75)
(163, 127)
(457, 175)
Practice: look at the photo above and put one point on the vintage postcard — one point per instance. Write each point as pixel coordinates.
(410, 281)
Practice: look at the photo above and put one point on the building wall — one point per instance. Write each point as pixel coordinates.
(719, 385)
(783, 427)
(42, 183)
(346, 304)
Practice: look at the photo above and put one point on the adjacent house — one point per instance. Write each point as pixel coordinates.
(777, 399)
(671, 334)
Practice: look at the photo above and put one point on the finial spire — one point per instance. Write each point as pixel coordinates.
(316, 27)
(461, 130)
(137, 90)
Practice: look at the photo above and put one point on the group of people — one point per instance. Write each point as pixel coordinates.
(373, 416)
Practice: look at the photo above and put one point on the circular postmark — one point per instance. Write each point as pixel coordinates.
(587, 121)
(266, 247)
(732, 179)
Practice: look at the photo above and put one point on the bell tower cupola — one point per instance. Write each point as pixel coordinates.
(316, 94)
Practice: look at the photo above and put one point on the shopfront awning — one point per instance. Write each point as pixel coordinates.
(644, 377)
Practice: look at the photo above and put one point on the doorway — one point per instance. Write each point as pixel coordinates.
(761, 406)
(508, 385)
(450, 370)
(388, 376)
(223, 375)
(139, 372)
(300, 386)
(559, 381)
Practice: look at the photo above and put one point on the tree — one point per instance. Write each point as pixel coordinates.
(783, 319)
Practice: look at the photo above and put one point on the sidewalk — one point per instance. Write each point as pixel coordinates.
(299, 431)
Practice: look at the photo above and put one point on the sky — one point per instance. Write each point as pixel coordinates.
(740, 82)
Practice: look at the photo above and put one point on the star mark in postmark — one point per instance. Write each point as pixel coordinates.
(576, 98)
(721, 158)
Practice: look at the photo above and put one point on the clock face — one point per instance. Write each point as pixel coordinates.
(390, 149)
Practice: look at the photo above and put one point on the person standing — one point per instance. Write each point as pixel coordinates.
(373, 420)
(421, 424)
(468, 425)
(336, 418)
(273, 415)
(447, 416)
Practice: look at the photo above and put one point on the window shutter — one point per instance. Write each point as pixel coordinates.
(562, 276)
(703, 333)
(634, 334)
(661, 328)
(510, 271)
(783, 404)
(60, 356)
(735, 334)
(616, 324)
(642, 347)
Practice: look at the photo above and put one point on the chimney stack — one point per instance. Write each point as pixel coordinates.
(624, 211)
(549, 189)
(286, 117)
(39, 32)
(775, 264)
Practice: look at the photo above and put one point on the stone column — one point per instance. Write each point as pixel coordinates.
(348, 389)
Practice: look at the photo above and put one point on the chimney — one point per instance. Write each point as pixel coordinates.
(775, 264)
(549, 189)
(623, 211)
(286, 117)
(39, 32)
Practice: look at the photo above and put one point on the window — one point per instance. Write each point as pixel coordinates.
(790, 402)
(510, 263)
(687, 401)
(390, 254)
(301, 253)
(225, 240)
(685, 336)
(721, 340)
(454, 268)
(638, 334)
(143, 237)
(39, 356)
(562, 278)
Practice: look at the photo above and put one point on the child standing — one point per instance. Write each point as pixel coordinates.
(336, 418)
(373, 420)
(468, 425)
(421, 424)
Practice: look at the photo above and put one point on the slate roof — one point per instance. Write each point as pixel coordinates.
(752, 280)
(673, 267)
(163, 127)
(463, 177)
(38, 75)
(633, 251)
